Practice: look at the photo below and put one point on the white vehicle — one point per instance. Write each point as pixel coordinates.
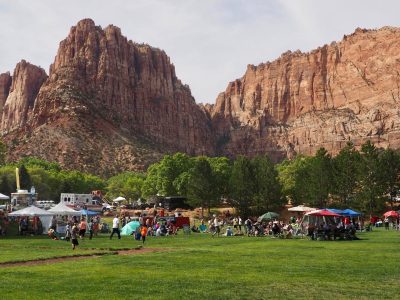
(79, 201)
(45, 204)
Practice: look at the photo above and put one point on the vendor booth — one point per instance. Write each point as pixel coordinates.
(63, 213)
(33, 211)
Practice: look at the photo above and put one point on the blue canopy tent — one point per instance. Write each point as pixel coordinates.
(336, 211)
(88, 212)
(351, 213)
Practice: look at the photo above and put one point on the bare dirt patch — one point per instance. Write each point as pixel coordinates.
(80, 257)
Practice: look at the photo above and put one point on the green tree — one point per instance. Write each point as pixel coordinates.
(24, 178)
(388, 172)
(320, 181)
(241, 185)
(200, 185)
(162, 176)
(346, 168)
(369, 191)
(267, 192)
(149, 187)
(294, 176)
(31, 161)
(221, 169)
(128, 185)
(5, 186)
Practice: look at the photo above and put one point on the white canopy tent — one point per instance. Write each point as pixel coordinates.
(62, 210)
(4, 197)
(119, 199)
(33, 211)
(301, 208)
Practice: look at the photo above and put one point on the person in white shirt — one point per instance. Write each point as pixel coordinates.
(115, 228)
(217, 226)
(240, 224)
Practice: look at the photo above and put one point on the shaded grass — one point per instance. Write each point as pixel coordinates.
(201, 267)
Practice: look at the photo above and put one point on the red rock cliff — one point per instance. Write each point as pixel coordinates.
(131, 85)
(5, 84)
(26, 82)
(108, 105)
(347, 91)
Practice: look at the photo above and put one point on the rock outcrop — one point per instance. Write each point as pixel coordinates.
(25, 84)
(5, 84)
(345, 91)
(131, 85)
(108, 105)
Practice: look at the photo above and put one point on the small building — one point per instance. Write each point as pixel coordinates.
(23, 198)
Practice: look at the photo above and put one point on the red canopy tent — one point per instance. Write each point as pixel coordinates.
(391, 213)
(322, 213)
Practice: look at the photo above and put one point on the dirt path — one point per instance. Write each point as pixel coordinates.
(43, 261)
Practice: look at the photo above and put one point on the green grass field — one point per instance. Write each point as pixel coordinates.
(202, 267)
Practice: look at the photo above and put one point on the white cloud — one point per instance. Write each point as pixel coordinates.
(209, 41)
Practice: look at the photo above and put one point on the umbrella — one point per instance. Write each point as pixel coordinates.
(129, 228)
(322, 213)
(118, 199)
(268, 216)
(301, 208)
(391, 213)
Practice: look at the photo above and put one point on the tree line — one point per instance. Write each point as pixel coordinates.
(364, 179)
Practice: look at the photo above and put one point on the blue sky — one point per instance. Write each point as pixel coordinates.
(210, 42)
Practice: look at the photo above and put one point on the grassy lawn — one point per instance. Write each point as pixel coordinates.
(202, 267)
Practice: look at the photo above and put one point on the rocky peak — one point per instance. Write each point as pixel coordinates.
(5, 84)
(26, 82)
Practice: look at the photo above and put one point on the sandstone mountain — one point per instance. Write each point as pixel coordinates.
(109, 104)
(347, 91)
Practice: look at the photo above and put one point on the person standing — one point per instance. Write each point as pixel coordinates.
(115, 228)
(68, 232)
(216, 226)
(240, 222)
(91, 227)
(74, 236)
(82, 228)
(143, 233)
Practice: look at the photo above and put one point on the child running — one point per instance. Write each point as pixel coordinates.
(143, 233)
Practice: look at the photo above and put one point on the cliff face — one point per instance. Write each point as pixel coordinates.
(108, 105)
(133, 86)
(5, 84)
(347, 91)
(20, 93)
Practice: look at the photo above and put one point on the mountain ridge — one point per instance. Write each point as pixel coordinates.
(109, 104)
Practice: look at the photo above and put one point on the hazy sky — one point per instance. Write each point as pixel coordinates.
(210, 42)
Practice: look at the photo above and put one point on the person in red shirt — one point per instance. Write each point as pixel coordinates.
(143, 233)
